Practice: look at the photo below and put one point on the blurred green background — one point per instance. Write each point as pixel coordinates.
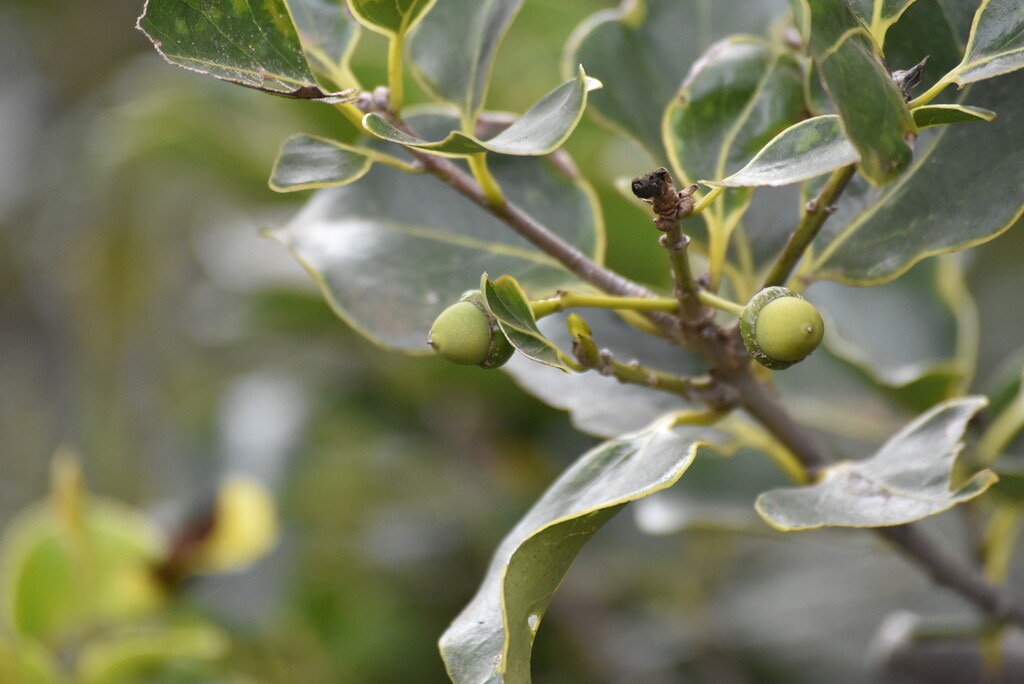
(145, 323)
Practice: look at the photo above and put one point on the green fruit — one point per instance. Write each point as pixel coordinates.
(780, 328)
(466, 334)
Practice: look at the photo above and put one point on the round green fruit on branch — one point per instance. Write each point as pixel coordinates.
(779, 327)
(466, 334)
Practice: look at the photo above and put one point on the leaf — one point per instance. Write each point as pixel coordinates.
(966, 186)
(817, 145)
(309, 161)
(996, 44)
(738, 95)
(394, 250)
(453, 50)
(597, 404)
(539, 131)
(643, 49)
(240, 41)
(491, 640)
(906, 480)
(510, 305)
(942, 115)
(390, 17)
(329, 36)
(870, 105)
(804, 150)
(879, 15)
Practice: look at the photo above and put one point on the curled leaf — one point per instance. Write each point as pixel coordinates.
(908, 479)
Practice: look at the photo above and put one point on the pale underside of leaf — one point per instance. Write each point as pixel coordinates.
(391, 252)
(541, 130)
(492, 639)
(908, 479)
(803, 151)
(307, 162)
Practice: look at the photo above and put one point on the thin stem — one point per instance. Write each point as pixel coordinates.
(677, 243)
(1000, 432)
(396, 82)
(815, 214)
(570, 300)
(930, 94)
(394, 162)
(705, 201)
(714, 301)
(489, 186)
(634, 373)
(352, 113)
(532, 230)
(753, 395)
(949, 572)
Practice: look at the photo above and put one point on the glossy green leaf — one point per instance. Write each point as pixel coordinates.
(996, 45)
(508, 302)
(906, 480)
(804, 150)
(942, 115)
(879, 15)
(643, 49)
(138, 655)
(309, 161)
(871, 107)
(329, 36)
(453, 50)
(491, 640)
(965, 186)
(390, 17)
(393, 250)
(539, 131)
(903, 331)
(244, 42)
(738, 95)
(597, 404)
